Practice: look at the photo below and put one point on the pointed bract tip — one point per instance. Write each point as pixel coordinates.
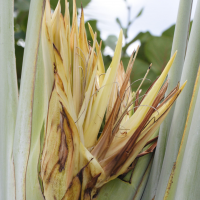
(183, 84)
(169, 64)
(89, 26)
(120, 37)
(58, 4)
(174, 55)
(74, 6)
(100, 44)
(121, 32)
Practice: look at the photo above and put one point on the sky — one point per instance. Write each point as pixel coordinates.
(157, 16)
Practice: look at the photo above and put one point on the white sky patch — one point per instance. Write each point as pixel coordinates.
(133, 47)
(158, 15)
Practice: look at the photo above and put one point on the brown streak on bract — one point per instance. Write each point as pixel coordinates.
(137, 101)
(160, 96)
(63, 149)
(148, 90)
(149, 150)
(121, 158)
(58, 81)
(54, 69)
(154, 120)
(54, 46)
(46, 140)
(91, 185)
(79, 176)
(48, 37)
(48, 108)
(109, 131)
(169, 95)
(45, 136)
(152, 140)
(131, 167)
(45, 169)
(48, 179)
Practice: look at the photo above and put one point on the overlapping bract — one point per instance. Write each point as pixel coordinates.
(76, 162)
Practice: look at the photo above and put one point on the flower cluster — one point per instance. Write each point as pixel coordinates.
(77, 158)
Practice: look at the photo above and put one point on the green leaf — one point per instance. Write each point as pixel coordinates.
(83, 2)
(140, 13)
(142, 37)
(157, 51)
(107, 60)
(21, 22)
(20, 35)
(169, 32)
(111, 41)
(22, 5)
(19, 51)
(62, 2)
(139, 70)
(119, 23)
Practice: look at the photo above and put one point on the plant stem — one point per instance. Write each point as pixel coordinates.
(189, 73)
(23, 128)
(8, 100)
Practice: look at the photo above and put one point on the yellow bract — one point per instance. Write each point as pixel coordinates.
(77, 159)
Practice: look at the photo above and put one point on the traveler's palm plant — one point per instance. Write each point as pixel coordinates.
(77, 159)
(79, 127)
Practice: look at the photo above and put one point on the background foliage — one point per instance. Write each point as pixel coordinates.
(153, 49)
